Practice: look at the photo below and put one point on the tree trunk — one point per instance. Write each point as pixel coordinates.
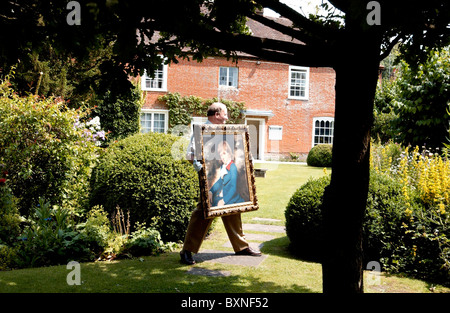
(345, 198)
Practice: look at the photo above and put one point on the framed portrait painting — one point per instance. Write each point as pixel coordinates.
(227, 183)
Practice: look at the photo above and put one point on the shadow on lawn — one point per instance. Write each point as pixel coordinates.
(165, 274)
(152, 274)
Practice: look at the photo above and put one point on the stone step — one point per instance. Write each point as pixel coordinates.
(264, 228)
(226, 257)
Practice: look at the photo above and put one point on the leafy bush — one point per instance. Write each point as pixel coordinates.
(50, 238)
(46, 150)
(181, 109)
(120, 113)
(383, 112)
(9, 224)
(398, 230)
(114, 242)
(320, 156)
(9, 214)
(8, 257)
(385, 158)
(304, 219)
(144, 241)
(97, 230)
(140, 174)
(384, 235)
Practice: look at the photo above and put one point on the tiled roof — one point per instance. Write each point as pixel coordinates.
(258, 30)
(263, 31)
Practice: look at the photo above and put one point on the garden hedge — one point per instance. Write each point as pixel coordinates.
(140, 175)
(389, 236)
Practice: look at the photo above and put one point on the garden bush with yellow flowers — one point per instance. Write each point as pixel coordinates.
(424, 176)
(407, 214)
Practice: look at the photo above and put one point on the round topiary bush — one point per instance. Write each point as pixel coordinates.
(382, 229)
(304, 219)
(320, 156)
(141, 175)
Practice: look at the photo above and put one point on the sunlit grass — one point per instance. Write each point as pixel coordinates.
(280, 272)
(275, 190)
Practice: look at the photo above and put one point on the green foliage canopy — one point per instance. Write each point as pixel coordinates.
(423, 99)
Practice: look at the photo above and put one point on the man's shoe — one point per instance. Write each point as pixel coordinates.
(249, 251)
(186, 257)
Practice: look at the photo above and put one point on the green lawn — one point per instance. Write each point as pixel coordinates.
(279, 273)
(275, 190)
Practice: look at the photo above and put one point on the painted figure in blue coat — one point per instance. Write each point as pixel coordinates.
(216, 193)
(226, 186)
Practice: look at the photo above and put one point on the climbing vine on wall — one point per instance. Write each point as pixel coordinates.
(182, 108)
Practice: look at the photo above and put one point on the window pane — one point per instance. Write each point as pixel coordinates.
(323, 131)
(158, 122)
(298, 83)
(145, 122)
(223, 76)
(234, 76)
(156, 82)
(228, 76)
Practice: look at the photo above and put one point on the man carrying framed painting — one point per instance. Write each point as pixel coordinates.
(198, 224)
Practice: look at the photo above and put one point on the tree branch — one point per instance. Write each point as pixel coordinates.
(290, 31)
(317, 30)
(269, 49)
(391, 46)
(341, 5)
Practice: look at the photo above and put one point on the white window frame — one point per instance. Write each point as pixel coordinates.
(228, 77)
(153, 112)
(145, 77)
(330, 136)
(299, 69)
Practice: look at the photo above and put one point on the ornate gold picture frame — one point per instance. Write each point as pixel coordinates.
(227, 182)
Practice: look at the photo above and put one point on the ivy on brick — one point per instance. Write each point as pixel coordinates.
(182, 108)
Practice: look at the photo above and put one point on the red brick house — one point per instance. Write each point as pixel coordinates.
(289, 109)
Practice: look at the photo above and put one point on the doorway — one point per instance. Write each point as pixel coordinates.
(257, 137)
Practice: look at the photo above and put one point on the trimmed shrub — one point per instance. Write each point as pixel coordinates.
(304, 219)
(140, 175)
(320, 156)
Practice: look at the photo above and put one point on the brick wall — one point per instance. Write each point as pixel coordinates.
(262, 86)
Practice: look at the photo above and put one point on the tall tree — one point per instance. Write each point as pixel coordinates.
(197, 28)
(422, 101)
